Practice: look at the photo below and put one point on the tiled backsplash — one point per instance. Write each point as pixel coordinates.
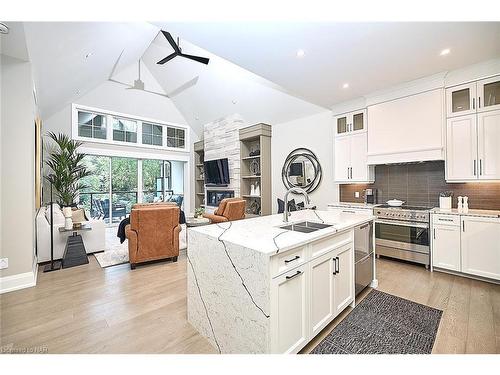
(419, 184)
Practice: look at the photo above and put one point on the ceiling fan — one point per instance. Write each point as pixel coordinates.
(139, 83)
(178, 51)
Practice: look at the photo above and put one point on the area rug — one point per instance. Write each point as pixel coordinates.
(384, 324)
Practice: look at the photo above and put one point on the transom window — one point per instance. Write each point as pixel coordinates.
(91, 125)
(152, 134)
(175, 137)
(101, 126)
(124, 130)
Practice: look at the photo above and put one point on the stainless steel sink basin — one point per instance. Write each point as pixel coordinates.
(305, 226)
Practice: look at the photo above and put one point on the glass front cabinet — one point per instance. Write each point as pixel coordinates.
(352, 122)
(473, 97)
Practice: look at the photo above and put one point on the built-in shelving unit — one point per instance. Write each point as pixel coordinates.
(256, 169)
(199, 181)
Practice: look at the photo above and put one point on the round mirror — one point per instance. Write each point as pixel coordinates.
(301, 169)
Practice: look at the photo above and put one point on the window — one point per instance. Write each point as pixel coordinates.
(175, 137)
(91, 125)
(152, 134)
(124, 130)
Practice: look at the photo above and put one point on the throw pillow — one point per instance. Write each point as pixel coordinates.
(78, 215)
(58, 215)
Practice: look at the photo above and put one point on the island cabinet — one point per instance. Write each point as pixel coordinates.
(305, 298)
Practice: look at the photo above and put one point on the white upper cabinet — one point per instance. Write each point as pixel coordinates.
(488, 94)
(473, 97)
(461, 100)
(473, 147)
(350, 159)
(461, 148)
(488, 129)
(349, 123)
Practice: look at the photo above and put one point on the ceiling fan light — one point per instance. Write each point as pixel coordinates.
(4, 29)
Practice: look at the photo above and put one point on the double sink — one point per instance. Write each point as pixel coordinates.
(305, 226)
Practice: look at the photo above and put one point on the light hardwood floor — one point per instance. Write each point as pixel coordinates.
(88, 309)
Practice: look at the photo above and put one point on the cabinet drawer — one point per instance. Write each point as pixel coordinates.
(446, 220)
(325, 245)
(288, 260)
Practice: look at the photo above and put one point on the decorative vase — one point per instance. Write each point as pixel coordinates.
(257, 189)
(68, 222)
(445, 203)
(252, 189)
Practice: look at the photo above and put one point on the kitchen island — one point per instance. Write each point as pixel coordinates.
(256, 287)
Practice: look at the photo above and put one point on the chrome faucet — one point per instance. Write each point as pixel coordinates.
(295, 190)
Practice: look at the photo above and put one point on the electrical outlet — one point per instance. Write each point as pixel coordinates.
(356, 194)
(4, 263)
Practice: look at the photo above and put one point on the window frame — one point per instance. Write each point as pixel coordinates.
(109, 115)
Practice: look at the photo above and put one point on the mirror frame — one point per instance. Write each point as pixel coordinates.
(311, 156)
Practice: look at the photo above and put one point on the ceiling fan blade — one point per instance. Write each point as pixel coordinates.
(168, 58)
(183, 87)
(171, 41)
(156, 93)
(203, 60)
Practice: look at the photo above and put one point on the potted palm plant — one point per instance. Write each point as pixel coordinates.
(67, 169)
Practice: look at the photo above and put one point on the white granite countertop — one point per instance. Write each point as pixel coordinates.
(470, 212)
(366, 206)
(264, 234)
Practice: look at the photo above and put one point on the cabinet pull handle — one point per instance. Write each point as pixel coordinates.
(441, 219)
(474, 167)
(463, 226)
(351, 173)
(337, 265)
(291, 260)
(334, 266)
(434, 235)
(480, 167)
(295, 274)
(473, 103)
(479, 102)
(349, 212)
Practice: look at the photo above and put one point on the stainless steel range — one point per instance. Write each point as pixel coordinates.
(403, 233)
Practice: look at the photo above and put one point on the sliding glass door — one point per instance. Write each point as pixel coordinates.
(116, 183)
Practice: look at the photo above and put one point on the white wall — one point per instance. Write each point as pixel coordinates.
(17, 169)
(315, 133)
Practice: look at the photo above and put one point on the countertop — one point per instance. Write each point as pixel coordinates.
(470, 212)
(263, 234)
(353, 205)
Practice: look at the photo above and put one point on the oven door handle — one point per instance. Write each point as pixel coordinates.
(403, 223)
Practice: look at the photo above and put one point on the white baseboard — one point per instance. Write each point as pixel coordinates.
(19, 281)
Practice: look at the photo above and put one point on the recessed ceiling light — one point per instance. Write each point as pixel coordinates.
(301, 53)
(4, 29)
(445, 52)
(345, 86)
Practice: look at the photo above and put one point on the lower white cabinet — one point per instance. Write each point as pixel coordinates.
(446, 247)
(308, 297)
(343, 280)
(290, 292)
(467, 244)
(480, 242)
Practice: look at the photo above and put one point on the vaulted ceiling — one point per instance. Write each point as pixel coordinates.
(254, 68)
(367, 56)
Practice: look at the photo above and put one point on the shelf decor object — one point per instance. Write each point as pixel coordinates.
(255, 168)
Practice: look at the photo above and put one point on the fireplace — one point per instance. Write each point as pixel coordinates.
(215, 196)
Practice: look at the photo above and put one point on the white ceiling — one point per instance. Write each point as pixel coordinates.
(368, 56)
(13, 44)
(57, 52)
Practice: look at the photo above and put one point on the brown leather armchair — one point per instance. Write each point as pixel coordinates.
(153, 233)
(229, 209)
